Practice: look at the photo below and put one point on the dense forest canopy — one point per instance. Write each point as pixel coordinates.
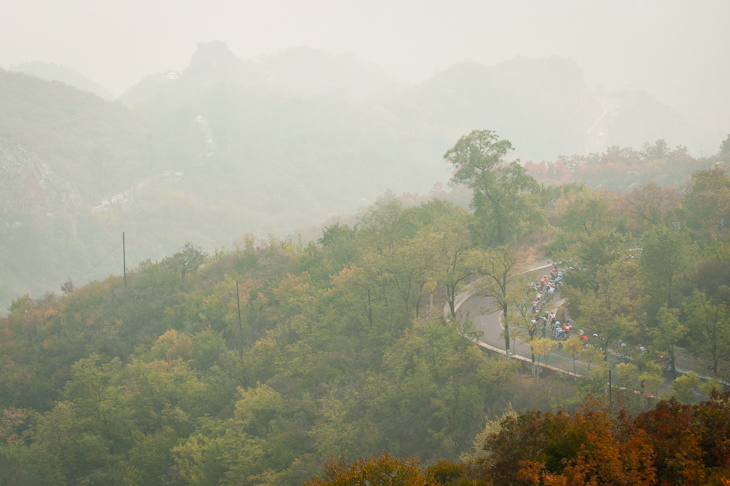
(228, 353)
(257, 364)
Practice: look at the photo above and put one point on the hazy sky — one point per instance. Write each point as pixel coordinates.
(678, 50)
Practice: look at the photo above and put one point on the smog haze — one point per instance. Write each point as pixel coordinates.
(677, 51)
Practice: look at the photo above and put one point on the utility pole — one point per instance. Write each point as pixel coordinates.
(610, 402)
(240, 326)
(124, 259)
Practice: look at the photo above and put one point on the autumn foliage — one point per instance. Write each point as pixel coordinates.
(671, 444)
(377, 471)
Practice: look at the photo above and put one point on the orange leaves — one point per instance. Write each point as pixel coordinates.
(172, 345)
(671, 444)
(262, 299)
(604, 459)
(10, 422)
(377, 471)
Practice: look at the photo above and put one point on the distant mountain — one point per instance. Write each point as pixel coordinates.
(635, 117)
(227, 147)
(56, 72)
(299, 71)
(27, 182)
(148, 87)
(543, 106)
(204, 159)
(212, 63)
(96, 145)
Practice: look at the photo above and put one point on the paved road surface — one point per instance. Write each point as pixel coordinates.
(476, 307)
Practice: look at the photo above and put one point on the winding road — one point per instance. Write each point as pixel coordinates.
(489, 324)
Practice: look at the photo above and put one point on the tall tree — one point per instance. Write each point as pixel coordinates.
(499, 267)
(521, 298)
(505, 196)
(707, 203)
(455, 253)
(188, 259)
(611, 310)
(667, 333)
(648, 205)
(667, 261)
(709, 329)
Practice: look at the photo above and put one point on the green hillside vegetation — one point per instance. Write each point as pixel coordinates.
(277, 146)
(327, 358)
(255, 365)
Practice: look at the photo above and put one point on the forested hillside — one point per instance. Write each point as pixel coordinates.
(279, 145)
(325, 359)
(255, 365)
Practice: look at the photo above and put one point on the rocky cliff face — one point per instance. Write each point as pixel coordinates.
(27, 182)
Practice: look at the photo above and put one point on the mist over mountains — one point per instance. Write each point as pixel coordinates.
(276, 145)
(57, 72)
(302, 70)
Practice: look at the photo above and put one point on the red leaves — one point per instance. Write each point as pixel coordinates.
(671, 444)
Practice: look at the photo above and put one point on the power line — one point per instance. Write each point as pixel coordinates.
(100, 262)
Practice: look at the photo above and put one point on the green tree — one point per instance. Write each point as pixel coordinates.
(612, 309)
(543, 347)
(707, 203)
(260, 437)
(456, 257)
(63, 453)
(667, 333)
(590, 354)
(13, 450)
(189, 259)
(684, 387)
(585, 213)
(651, 379)
(668, 260)
(505, 197)
(521, 297)
(498, 268)
(709, 325)
(573, 346)
(626, 374)
(648, 205)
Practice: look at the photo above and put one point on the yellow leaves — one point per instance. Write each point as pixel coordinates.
(377, 471)
(543, 347)
(293, 290)
(169, 336)
(173, 345)
(429, 287)
(345, 276)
